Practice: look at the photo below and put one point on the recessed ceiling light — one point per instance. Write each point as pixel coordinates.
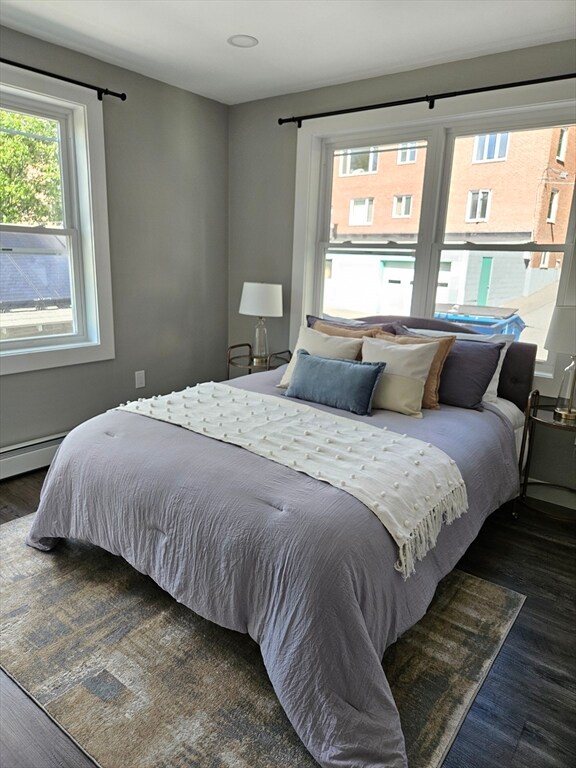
(243, 41)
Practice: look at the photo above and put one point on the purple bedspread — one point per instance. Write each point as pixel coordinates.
(303, 567)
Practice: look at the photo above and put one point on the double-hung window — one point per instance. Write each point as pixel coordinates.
(361, 211)
(477, 206)
(360, 160)
(407, 153)
(402, 206)
(466, 239)
(490, 146)
(553, 206)
(55, 295)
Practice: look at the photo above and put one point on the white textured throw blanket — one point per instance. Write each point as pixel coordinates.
(411, 486)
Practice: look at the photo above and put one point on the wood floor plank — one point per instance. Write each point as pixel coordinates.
(523, 716)
(31, 739)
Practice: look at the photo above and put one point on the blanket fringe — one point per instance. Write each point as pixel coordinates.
(424, 536)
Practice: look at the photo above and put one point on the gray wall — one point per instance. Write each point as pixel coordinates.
(183, 172)
(167, 166)
(263, 159)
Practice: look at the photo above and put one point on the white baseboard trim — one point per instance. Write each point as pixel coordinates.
(26, 457)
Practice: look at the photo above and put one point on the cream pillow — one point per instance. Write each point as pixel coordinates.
(432, 385)
(401, 385)
(322, 345)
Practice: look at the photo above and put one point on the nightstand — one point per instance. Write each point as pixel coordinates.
(240, 356)
(538, 415)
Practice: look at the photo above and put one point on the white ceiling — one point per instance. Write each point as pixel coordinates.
(304, 44)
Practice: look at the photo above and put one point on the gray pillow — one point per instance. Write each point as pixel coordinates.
(344, 322)
(345, 384)
(467, 372)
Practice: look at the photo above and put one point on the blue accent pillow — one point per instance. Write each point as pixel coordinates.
(345, 384)
(467, 372)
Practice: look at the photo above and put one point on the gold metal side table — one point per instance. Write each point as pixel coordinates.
(536, 415)
(240, 356)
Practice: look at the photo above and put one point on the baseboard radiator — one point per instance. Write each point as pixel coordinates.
(26, 457)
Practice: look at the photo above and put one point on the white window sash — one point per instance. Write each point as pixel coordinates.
(87, 213)
(490, 112)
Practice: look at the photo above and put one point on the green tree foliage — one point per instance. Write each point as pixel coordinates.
(30, 183)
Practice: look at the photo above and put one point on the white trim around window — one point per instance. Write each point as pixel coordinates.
(402, 207)
(478, 205)
(491, 147)
(553, 206)
(361, 211)
(498, 111)
(86, 224)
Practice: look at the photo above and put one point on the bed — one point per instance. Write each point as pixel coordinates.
(257, 545)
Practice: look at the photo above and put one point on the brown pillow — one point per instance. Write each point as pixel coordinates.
(432, 385)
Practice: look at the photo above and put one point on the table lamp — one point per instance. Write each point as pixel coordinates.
(561, 338)
(261, 300)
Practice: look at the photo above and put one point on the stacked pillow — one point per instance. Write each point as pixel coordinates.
(401, 387)
(464, 379)
(358, 366)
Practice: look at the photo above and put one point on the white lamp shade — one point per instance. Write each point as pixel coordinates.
(561, 335)
(261, 300)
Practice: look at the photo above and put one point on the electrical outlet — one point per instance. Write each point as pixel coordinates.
(140, 379)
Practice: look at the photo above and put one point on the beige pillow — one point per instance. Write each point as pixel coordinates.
(430, 396)
(323, 345)
(401, 385)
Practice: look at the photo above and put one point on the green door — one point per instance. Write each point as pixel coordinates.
(484, 282)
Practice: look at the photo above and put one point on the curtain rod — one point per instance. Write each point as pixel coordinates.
(419, 99)
(101, 91)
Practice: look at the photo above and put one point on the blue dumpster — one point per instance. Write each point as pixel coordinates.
(484, 319)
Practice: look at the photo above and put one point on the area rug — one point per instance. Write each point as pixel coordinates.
(139, 681)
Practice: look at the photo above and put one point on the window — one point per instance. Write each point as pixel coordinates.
(490, 147)
(448, 262)
(361, 211)
(406, 153)
(55, 295)
(402, 207)
(361, 160)
(477, 206)
(562, 145)
(553, 206)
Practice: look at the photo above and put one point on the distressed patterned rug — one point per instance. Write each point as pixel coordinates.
(139, 681)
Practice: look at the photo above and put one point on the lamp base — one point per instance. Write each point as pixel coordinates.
(566, 402)
(260, 350)
(561, 414)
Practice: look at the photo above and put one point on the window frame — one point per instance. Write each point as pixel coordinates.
(473, 211)
(553, 203)
(516, 109)
(86, 221)
(367, 208)
(484, 158)
(400, 203)
(345, 157)
(407, 153)
(562, 145)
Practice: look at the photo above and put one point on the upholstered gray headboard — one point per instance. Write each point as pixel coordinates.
(517, 375)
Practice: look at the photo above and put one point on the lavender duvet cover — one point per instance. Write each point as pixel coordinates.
(301, 566)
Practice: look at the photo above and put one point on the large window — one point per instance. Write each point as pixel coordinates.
(482, 234)
(55, 298)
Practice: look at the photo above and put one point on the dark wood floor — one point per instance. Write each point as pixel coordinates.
(525, 713)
